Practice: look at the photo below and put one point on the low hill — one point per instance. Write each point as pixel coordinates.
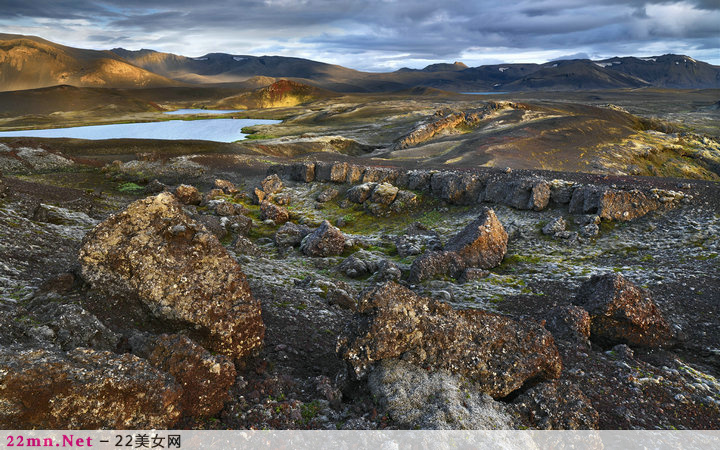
(28, 62)
(279, 94)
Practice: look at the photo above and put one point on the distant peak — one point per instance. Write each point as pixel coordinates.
(460, 64)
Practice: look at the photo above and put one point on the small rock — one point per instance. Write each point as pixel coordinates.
(226, 186)
(327, 195)
(258, 196)
(326, 240)
(570, 323)
(244, 246)
(271, 211)
(154, 187)
(282, 199)
(554, 226)
(559, 405)
(272, 184)
(384, 194)
(360, 193)
(290, 234)
(590, 230)
(188, 195)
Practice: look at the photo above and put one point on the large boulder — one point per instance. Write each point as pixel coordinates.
(496, 352)
(302, 171)
(326, 240)
(481, 244)
(622, 313)
(84, 389)
(155, 253)
(205, 378)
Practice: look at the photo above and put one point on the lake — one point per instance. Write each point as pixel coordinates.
(202, 111)
(218, 130)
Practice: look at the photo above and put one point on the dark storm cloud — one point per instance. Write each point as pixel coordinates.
(375, 30)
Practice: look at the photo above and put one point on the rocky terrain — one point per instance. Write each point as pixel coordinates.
(209, 291)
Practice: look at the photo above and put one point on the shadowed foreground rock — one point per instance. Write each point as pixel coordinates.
(206, 379)
(622, 313)
(84, 389)
(496, 352)
(481, 244)
(154, 252)
(558, 405)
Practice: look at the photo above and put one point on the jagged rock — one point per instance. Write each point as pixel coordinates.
(416, 180)
(417, 398)
(258, 196)
(612, 204)
(354, 173)
(554, 226)
(590, 230)
(561, 191)
(225, 208)
(426, 131)
(154, 187)
(206, 379)
(244, 246)
(380, 175)
(558, 405)
(518, 193)
(496, 352)
(213, 224)
(327, 195)
(226, 186)
(154, 252)
(457, 187)
(74, 327)
(481, 244)
(387, 271)
(569, 323)
(271, 211)
(282, 199)
(237, 224)
(272, 184)
(404, 200)
(384, 194)
(328, 171)
(84, 389)
(360, 193)
(188, 195)
(303, 171)
(326, 240)
(211, 195)
(622, 313)
(290, 234)
(359, 264)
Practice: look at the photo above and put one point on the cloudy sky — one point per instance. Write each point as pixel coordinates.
(380, 35)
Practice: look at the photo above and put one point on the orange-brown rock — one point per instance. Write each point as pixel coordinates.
(497, 352)
(155, 253)
(84, 389)
(622, 313)
(188, 195)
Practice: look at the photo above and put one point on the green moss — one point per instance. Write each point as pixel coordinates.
(130, 188)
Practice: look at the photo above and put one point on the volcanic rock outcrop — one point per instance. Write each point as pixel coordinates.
(481, 244)
(497, 352)
(622, 313)
(157, 254)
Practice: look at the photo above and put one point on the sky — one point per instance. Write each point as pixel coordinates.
(380, 35)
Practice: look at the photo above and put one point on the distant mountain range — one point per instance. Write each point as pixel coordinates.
(29, 62)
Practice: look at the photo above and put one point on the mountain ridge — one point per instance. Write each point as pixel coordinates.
(29, 62)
